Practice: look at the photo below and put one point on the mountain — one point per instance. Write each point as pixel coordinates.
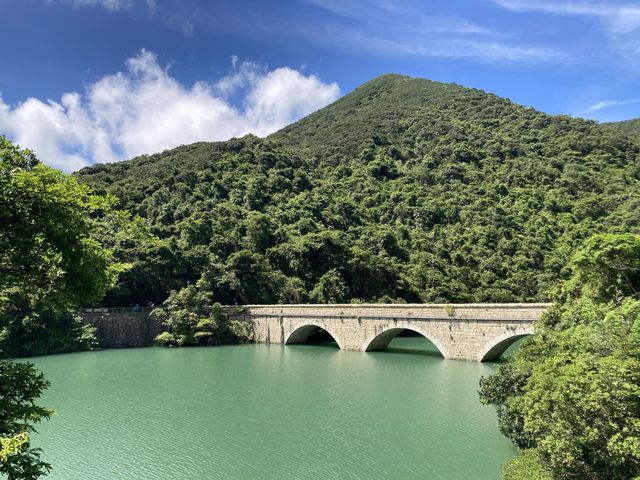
(630, 127)
(403, 190)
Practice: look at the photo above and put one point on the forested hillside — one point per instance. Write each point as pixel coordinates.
(630, 127)
(403, 190)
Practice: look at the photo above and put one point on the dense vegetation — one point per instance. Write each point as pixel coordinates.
(191, 318)
(570, 398)
(403, 190)
(52, 257)
(629, 127)
(20, 386)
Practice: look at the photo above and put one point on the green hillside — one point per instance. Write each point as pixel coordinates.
(629, 127)
(403, 189)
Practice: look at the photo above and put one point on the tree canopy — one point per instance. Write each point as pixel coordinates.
(630, 127)
(20, 386)
(52, 258)
(403, 190)
(571, 396)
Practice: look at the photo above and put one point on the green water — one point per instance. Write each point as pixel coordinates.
(268, 412)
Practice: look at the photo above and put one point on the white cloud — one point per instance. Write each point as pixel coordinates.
(145, 110)
(284, 94)
(620, 18)
(603, 104)
(111, 5)
(467, 48)
(409, 29)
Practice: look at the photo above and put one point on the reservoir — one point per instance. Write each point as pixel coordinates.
(265, 411)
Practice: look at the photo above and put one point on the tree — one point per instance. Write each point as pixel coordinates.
(408, 188)
(192, 318)
(330, 288)
(606, 267)
(50, 260)
(20, 386)
(571, 397)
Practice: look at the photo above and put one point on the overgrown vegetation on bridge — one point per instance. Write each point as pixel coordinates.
(192, 318)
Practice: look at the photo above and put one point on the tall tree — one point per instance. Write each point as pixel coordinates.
(50, 259)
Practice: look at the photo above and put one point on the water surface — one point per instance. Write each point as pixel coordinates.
(268, 412)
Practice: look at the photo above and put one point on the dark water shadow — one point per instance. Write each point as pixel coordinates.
(409, 342)
(413, 351)
(509, 352)
(321, 344)
(321, 338)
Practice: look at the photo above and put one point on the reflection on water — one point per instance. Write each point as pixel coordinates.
(410, 343)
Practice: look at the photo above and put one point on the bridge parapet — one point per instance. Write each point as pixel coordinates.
(477, 311)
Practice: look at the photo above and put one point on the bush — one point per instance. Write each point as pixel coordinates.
(165, 339)
(525, 466)
(191, 319)
(572, 394)
(241, 331)
(87, 339)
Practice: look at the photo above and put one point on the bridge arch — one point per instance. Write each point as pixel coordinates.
(380, 340)
(494, 348)
(301, 333)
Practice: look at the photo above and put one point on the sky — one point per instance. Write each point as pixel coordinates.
(94, 81)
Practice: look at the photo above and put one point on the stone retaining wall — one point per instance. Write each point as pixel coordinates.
(120, 328)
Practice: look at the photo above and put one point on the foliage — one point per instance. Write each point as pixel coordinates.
(404, 189)
(20, 386)
(191, 318)
(629, 127)
(50, 260)
(606, 268)
(12, 445)
(525, 465)
(572, 394)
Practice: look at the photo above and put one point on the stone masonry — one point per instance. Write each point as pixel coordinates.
(472, 332)
(122, 327)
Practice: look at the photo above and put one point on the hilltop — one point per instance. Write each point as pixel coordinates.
(403, 190)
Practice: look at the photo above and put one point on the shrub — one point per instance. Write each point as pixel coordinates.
(165, 339)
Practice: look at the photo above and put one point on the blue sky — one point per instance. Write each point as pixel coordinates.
(102, 80)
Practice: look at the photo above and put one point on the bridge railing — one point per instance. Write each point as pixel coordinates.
(447, 318)
(116, 310)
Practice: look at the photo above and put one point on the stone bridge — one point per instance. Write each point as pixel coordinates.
(472, 332)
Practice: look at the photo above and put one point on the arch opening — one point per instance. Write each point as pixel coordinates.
(404, 340)
(504, 347)
(312, 335)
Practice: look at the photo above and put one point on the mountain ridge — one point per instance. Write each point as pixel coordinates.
(404, 189)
